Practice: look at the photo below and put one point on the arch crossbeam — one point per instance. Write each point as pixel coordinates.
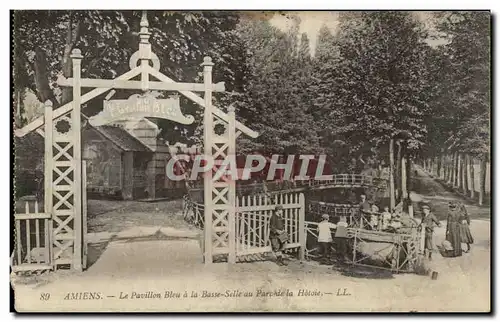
(123, 81)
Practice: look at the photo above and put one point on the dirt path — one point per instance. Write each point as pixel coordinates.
(115, 216)
(426, 188)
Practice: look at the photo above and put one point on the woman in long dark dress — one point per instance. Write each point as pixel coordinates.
(465, 234)
(453, 229)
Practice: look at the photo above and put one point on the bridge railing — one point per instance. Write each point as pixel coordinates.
(271, 188)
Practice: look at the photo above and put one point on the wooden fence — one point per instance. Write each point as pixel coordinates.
(32, 241)
(252, 221)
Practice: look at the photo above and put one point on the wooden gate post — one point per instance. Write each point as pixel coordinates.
(76, 56)
(208, 133)
(302, 227)
(232, 186)
(422, 239)
(47, 180)
(84, 215)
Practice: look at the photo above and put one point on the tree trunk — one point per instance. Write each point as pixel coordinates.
(72, 35)
(440, 166)
(44, 93)
(471, 170)
(455, 172)
(482, 179)
(18, 118)
(391, 175)
(452, 169)
(398, 171)
(409, 175)
(445, 169)
(465, 181)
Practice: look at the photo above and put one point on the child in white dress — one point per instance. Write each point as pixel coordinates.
(325, 237)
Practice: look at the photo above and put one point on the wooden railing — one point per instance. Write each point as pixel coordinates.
(32, 241)
(276, 187)
(193, 212)
(341, 180)
(333, 209)
(406, 247)
(353, 216)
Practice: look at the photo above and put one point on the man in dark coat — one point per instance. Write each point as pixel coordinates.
(277, 234)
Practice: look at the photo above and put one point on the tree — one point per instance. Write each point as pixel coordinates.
(465, 81)
(275, 96)
(325, 45)
(304, 52)
(382, 81)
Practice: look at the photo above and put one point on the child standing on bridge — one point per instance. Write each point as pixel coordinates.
(341, 239)
(385, 218)
(325, 238)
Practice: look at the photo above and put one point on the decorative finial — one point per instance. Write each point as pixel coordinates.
(76, 53)
(207, 61)
(144, 34)
(144, 19)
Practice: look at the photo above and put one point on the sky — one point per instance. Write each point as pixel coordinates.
(311, 22)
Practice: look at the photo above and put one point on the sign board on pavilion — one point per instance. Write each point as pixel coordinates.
(139, 106)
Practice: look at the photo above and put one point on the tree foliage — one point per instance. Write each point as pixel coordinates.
(274, 100)
(371, 82)
(464, 77)
(44, 41)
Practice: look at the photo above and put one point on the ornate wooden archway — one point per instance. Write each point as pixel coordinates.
(63, 160)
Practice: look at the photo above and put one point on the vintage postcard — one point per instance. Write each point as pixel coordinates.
(238, 161)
